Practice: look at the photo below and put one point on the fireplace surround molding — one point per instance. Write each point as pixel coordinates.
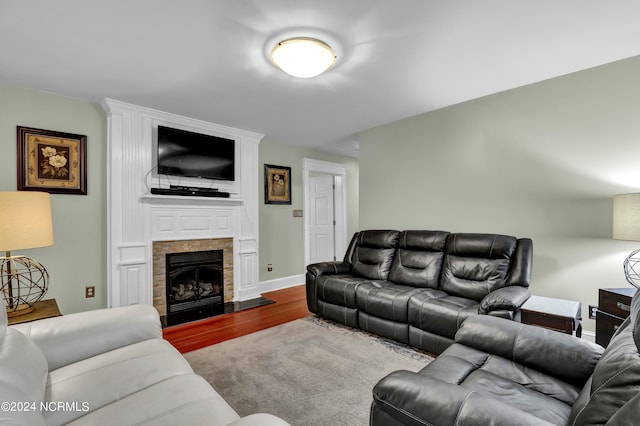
(137, 219)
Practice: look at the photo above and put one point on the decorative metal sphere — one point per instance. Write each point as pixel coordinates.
(23, 282)
(632, 268)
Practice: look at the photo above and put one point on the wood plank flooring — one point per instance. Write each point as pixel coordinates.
(290, 304)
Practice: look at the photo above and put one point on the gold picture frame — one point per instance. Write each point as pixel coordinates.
(50, 161)
(277, 184)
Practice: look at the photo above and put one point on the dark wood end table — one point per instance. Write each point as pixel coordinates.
(560, 315)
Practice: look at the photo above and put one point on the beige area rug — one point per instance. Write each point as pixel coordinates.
(308, 372)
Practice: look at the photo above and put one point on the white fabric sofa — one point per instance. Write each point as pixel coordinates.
(104, 367)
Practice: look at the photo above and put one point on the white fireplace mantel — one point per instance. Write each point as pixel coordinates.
(136, 218)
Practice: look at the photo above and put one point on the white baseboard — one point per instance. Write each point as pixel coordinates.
(589, 335)
(280, 283)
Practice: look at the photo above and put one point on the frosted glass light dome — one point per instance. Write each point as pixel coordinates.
(303, 57)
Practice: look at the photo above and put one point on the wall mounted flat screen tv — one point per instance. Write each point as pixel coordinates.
(190, 154)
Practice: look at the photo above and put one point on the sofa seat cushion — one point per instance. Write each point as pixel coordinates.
(385, 299)
(439, 313)
(111, 376)
(338, 289)
(181, 399)
(498, 378)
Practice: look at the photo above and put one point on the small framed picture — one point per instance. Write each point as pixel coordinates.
(277, 184)
(50, 161)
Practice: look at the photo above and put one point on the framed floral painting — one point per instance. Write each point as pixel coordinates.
(51, 161)
(277, 184)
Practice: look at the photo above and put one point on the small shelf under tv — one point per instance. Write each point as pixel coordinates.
(187, 199)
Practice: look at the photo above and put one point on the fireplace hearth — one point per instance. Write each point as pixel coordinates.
(194, 285)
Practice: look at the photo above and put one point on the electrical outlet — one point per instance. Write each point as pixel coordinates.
(592, 311)
(269, 267)
(90, 291)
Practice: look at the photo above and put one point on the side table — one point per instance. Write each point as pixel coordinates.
(42, 309)
(613, 307)
(560, 315)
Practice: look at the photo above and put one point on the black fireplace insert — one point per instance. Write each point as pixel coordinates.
(195, 285)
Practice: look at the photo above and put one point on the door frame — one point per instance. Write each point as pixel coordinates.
(339, 173)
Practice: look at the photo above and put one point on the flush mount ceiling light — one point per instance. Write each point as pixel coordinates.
(303, 57)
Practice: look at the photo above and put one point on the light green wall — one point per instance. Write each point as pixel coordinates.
(541, 161)
(281, 234)
(77, 258)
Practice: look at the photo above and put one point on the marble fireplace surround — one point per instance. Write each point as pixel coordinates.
(137, 219)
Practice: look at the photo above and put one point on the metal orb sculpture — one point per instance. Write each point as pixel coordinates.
(632, 268)
(23, 282)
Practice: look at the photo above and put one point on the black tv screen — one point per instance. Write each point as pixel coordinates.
(183, 153)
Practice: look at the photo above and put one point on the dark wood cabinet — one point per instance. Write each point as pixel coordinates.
(613, 309)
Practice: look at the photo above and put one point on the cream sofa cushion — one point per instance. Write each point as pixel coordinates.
(184, 399)
(22, 366)
(103, 379)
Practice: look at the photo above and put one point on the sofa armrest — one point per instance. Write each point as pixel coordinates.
(329, 268)
(506, 298)
(316, 270)
(71, 338)
(560, 355)
(627, 414)
(407, 398)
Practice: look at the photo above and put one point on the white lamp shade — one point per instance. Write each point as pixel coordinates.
(303, 57)
(25, 220)
(626, 217)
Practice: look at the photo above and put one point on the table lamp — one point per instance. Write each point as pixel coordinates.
(25, 222)
(626, 226)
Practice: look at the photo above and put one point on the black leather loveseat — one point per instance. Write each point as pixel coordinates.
(504, 373)
(417, 287)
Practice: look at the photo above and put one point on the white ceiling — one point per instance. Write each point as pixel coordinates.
(396, 58)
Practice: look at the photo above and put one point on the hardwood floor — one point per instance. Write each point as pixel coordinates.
(290, 304)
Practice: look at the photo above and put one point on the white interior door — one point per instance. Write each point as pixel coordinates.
(321, 219)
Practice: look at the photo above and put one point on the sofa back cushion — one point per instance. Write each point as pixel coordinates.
(616, 379)
(418, 259)
(371, 253)
(476, 264)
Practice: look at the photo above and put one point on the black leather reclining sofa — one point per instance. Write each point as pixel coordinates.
(504, 373)
(417, 287)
